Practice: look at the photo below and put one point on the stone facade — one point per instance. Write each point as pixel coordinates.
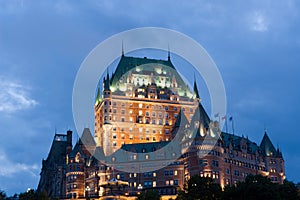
(152, 132)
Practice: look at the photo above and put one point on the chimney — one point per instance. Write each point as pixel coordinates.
(69, 141)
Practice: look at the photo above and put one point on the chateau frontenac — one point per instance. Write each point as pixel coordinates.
(151, 132)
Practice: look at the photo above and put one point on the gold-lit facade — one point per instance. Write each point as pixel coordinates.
(140, 109)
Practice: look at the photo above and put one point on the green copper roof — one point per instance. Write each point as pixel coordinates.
(127, 63)
(267, 146)
(147, 67)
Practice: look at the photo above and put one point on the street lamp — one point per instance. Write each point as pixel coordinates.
(87, 191)
(139, 187)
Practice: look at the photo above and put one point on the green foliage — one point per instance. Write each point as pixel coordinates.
(200, 188)
(33, 195)
(255, 187)
(149, 194)
(2, 195)
(258, 187)
(288, 190)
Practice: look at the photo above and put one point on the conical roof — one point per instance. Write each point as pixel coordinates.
(267, 146)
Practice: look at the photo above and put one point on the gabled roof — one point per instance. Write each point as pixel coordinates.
(236, 141)
(77, 149)
(201, 116)
(86, 145)
(87, 138)
(57, 149)
(267, 146)
(181, 119)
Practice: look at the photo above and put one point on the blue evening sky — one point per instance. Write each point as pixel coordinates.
(255, 44)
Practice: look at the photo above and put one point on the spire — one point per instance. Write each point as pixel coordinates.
(196, 92)
(98, 97)
(107, 82)
(169, 57)
(267, 146)
(107, 74)
(122, 49)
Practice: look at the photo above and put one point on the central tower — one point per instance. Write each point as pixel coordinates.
(140, 103)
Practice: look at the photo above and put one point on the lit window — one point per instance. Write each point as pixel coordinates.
(171, 182)
(154, 174)
(175, 172)
(140, 130)
(140, 105)
(154, 183)
(140, 112)
(130, 111)
(147, 157)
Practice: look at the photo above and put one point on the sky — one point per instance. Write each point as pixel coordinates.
(255, 44)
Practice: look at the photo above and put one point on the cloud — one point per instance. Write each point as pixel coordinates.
(63, 7)
(11, 7)
(8, 168)
(14, 96)
(258, 22)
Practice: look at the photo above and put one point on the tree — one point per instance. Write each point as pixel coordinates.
(255, 187)
(33, 195)
(2, 195)
(149, 194)
(288, 190)
(200, 188)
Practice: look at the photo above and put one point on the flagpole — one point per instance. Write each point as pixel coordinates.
(226, 124)
(232, 126)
